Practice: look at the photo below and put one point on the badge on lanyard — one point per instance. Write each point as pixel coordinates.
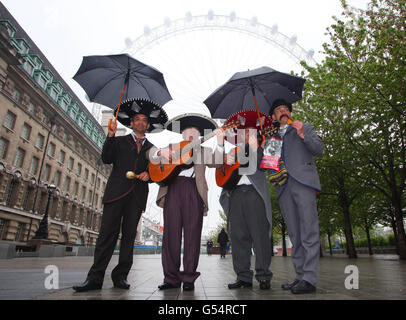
(272, 154)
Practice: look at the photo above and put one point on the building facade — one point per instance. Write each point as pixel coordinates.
(47, 136)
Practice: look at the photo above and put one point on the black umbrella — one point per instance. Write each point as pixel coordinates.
(104, 77)
(259, 87)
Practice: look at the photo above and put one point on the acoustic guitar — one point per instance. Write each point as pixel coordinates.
(163, 173)
(227, 176)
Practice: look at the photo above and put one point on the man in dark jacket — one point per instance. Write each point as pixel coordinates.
(222, 239)
(124, 200)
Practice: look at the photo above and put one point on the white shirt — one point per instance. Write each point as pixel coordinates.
(282, 130)
(187, 172)
(135, 137)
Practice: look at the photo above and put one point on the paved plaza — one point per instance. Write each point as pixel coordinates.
(380, 277)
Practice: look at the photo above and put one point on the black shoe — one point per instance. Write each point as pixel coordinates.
(265, 284)
(239, 284)
(122, 284)
(188, 286)
(303, 287)
(166, 285)
(288, 286)
(87, 286)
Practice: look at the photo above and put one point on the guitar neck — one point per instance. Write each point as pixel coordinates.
(198, 142)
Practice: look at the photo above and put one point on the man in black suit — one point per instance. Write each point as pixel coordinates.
(124, 200)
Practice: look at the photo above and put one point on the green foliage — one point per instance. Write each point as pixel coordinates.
(223, 224)
(356, 99)
(375, 242)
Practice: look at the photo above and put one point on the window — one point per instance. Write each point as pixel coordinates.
(47, 172)
(86, 176)
(62, 155)
(11, 189)
(20, 232)
(34, 166)
(31, 108)
(27, 195)
(3, 148)
(19, 159)
(79, 169)
(83, 193)
(16, 95)
(26, 131)
(41, 82)
(98, 184)
(76, 189)
(57, 178)
(39, 143)
(66, 186)
(28, 67)
(89, 197)
(70, 163)
(51, 149)
(3, 229)
(92, 179)
(54, 94)
(10, 120)
(96, 199)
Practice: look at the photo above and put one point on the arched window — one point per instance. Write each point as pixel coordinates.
(28, 198)
(12, 187)
(72, 214)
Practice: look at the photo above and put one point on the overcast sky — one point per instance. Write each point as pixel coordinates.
(65, 31)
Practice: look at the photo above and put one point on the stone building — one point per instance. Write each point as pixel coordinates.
(47, 136)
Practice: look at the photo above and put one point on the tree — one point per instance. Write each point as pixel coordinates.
(358, 90)
(329, 221)
(368, 213)
(223, 224)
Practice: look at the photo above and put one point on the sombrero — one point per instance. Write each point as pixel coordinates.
(157, 116)
(249, 119)
(186, 120)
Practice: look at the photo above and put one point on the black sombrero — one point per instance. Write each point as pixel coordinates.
(187, 120)
(157, 116)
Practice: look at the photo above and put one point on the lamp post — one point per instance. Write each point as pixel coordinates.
(99, 162)
(52, 121)
(42, 232)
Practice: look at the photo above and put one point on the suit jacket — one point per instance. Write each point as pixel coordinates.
(258, 180)
(299, 155)
(122, 153)
(200, 178)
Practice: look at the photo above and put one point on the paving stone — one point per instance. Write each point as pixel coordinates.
(380, 277)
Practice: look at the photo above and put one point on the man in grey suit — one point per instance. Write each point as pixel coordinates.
(297, 195)
(248, 208)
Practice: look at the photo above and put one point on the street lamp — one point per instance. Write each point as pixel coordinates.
(42, 232)
(99, 162)
(52, 122)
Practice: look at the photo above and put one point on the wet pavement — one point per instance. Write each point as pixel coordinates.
(380, 277)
